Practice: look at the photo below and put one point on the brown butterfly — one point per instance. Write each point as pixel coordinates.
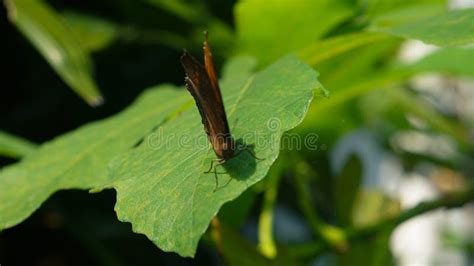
(202, 83)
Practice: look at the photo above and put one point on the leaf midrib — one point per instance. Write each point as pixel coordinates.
(242, 91)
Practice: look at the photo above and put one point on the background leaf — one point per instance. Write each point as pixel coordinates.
(451, 28)
(62, 50)
(269, 31)
(193, 12)
(320, 51)
(95, 33)
(161, 188)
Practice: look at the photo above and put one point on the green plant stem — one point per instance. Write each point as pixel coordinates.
(329, 234)
(266, 243)
(359, 234)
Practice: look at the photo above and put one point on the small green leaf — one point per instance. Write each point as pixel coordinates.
(161, 186)
(15, 147)
(62, 50)
(79, 159)
(450, 28)
(271, 30)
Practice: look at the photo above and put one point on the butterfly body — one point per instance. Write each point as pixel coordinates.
(201, 82)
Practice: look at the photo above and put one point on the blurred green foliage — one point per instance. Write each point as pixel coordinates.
(62, 49)
(115, 49)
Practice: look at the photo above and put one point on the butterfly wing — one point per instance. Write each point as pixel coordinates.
(201, 82)
(211, 72)
(195, 79)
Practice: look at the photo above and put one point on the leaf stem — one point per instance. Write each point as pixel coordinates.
(331, 235)
(266, 243)
(354, 234)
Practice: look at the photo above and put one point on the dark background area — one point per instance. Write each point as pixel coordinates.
(37, 105)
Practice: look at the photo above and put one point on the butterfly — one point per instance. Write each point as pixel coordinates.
(201, 81)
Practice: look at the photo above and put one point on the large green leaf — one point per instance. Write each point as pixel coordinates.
(44, 29)
(15, 147)
(450, 28)
(79, 159)
(161, 185)
(270, 30)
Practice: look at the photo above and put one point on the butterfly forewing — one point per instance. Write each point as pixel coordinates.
(194, 72)
(201, 81)
(211, 72)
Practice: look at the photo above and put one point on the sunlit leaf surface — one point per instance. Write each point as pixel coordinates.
(161, 185)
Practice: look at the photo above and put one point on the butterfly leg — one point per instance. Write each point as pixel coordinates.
(214, 164)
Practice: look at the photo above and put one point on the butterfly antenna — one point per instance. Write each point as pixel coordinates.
(210, 168)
